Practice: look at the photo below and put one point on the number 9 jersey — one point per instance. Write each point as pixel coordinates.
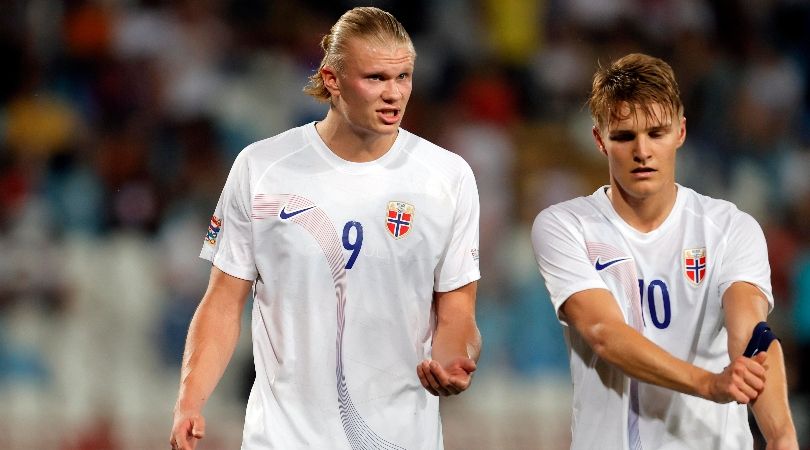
(669, 284)
(345, 258)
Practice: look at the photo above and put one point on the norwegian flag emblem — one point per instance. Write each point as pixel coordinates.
(694, 264)
(399, 219)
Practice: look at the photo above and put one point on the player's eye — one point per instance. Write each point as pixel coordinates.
(622, 137)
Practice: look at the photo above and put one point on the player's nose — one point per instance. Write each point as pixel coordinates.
(642, 150)
(392, 91)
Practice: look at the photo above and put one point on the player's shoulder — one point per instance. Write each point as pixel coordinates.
(582, 204)
(568, 214)
(433, 155)
(578, 207)
(710, 207)
(723, 214)
(277, 146)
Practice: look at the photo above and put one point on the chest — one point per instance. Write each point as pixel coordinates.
(671, 276)
(368, 220)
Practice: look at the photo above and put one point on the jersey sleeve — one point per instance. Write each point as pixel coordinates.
(229, 241)
(746, 257)
(459, 265)
(562, 257)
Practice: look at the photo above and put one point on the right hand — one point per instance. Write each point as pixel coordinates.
(444, 381)
(188, 428)
(742, 381)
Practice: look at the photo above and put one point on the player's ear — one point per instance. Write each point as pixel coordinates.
(330, 80)
(597, 136)
(682, 131)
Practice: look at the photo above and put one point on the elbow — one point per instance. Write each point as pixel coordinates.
(598, 337)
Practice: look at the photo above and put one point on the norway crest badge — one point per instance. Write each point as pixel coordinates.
(399, 219)
(694, 264)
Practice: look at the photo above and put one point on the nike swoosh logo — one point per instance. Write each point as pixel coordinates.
(600, 265)
(286, 215)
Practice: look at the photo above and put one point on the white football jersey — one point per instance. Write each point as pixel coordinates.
(345, 258)
(669, 284)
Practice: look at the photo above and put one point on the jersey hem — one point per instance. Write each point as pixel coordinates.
(227, 267)
(573, 289)
(727, 284)
(459, 282)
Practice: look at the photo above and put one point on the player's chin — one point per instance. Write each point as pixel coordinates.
(641, 188)
(385, 128)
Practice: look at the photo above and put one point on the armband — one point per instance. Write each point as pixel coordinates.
(760, 340)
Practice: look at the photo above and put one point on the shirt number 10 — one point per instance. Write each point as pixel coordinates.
(657, 296)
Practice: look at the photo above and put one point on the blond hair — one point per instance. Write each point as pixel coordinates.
(637, 80)
(368, 22)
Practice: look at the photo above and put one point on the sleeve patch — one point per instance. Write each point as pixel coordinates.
(213, 230)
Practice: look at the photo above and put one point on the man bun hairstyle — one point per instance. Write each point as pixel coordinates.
(637, 80)
(367, 22)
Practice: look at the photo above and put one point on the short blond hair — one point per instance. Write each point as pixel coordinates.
(367, 22)
(638, 80)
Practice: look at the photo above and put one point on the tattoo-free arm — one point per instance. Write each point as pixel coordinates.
(594, 314)
(212, 338)
(745, 306)
(456, 343)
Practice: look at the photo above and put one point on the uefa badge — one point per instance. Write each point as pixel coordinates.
(213, 230)
(399, 219)
(694, 264)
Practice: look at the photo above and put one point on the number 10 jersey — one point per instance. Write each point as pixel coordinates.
(669, 285)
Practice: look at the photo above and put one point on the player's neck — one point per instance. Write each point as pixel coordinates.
(352, 144)
(645, 213)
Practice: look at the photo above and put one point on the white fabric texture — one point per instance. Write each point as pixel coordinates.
(671, 280)
(345, 258)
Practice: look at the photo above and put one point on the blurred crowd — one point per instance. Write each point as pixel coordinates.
(119, 120)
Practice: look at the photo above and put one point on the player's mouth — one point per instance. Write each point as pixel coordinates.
(643, 172)
(389, 115)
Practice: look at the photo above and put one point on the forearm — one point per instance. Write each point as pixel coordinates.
(456, 337)
(211, 340)
(456, 343)
(456, 334)
(771, 408)
(639, 358)
(745, 306)
(596, 318)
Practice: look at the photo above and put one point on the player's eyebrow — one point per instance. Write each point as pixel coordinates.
(660, 127)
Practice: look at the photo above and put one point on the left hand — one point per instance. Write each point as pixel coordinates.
(451, 379)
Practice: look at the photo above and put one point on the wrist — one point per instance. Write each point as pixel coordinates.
(187, 403)
(786, 434)
(704, 384)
